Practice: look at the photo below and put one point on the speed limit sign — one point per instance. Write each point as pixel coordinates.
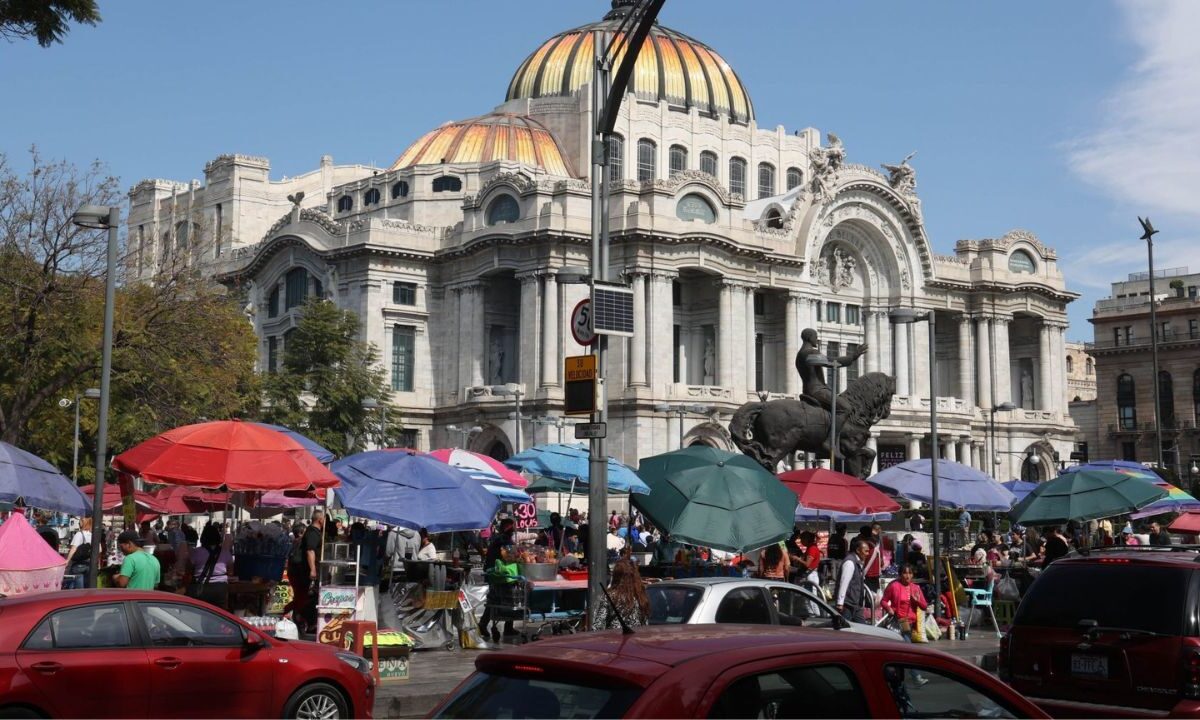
(581, 323)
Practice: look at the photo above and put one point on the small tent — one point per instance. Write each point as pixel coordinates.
(27, 564)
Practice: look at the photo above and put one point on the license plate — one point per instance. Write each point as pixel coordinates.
(1089, 665)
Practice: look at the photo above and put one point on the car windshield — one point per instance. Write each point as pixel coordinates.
(500, 696)
(1103, 592)
(672, 604)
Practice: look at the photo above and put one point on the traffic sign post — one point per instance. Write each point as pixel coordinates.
(579, 387)
(581, 323)
(591, 431)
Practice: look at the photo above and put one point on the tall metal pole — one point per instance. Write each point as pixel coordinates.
(75, 460)
(1158, 451)
(933, 467)
(597, 556)
(110, 294)
(680, 411)
(833, 371)
(517, 419)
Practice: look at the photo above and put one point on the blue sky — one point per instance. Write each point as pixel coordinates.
(1065, 118)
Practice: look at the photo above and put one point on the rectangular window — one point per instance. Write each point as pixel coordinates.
(272, 354)
(1193, 330)
(403, 340)
(1127, 414)
(646, 160)
(404, 293)
(833, 312)
(1116, 336)
(1128, 334)
(760, 304)
(220, 227)
(676, 349)
(759, 352)
(295, 288)
(852, 315)
(1192, 291)
(616, 158)
(831, 350)
(852, 368)
(1129, 451)
(1164, 330)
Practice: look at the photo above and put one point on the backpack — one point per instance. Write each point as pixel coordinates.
(83, 554)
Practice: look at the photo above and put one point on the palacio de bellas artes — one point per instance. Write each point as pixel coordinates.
(735, 236)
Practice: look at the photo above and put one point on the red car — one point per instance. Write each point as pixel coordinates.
(728, 671)
(141, 654)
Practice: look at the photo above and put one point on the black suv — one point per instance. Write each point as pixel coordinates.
(1111, 633)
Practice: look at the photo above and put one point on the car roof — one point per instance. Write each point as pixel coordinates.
(1174, 556)
(64, 598)
(707, 581)
(651, 650)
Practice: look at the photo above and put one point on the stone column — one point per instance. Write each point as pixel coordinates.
(873, 444)
(964, 450)
(527, 343)
(920, 355)
(814, 313)
(659, 335)
(550, 305)
(871, 335)
(900, 334)
(983, 362)
(966, 381)
(1045, 369)
(1003, 391)
(792, 345)
(637, 343)
(748, 353)
(725, 337)
(883, 333)
(478, 333)
(914, 443)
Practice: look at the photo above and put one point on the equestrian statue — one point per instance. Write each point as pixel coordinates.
(770, 431)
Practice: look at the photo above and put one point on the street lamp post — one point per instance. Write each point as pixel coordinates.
(99, 217)
(1004, 406)
(680, 411)
(464, 433)
(905, 316)
(514, 390)
(90, 394)
(1148, 235)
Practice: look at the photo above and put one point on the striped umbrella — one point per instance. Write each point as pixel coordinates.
(497, 479)
(1175, 501)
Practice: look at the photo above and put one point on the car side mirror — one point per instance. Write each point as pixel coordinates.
(840, 623)
(252, 643)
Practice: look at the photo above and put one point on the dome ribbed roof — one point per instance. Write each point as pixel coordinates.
(671, 66)
(484, 139)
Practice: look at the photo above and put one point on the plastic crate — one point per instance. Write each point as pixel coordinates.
(574, 574)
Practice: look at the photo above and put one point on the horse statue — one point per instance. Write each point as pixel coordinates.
(770, 431)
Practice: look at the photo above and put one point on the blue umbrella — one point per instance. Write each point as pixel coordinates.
(959, 486)
(415, 491)
(1020, 488)
(1116, 465)
(570, 462)
(804, 514)
(321, 454)
(30, 479)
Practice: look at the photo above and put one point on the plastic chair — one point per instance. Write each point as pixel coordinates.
(983, 598)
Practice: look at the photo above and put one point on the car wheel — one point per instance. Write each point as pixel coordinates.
(19, 712)
(319, 701)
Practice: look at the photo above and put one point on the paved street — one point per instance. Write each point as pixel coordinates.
(433, 673)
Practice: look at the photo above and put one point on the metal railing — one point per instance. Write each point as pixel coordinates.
(1168, 337)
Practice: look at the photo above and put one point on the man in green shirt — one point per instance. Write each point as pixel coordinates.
(141, 570)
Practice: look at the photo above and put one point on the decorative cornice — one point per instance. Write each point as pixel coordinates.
(1005, 243)
(524, 185)
(312, 215)
(157, 184)
(236, 159)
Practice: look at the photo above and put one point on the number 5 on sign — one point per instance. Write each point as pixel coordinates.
(581, 323)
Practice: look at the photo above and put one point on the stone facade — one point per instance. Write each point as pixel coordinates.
(1124, 368)
(735, 239)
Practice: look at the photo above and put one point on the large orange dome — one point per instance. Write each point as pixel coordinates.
(671, 66)
(497, 136)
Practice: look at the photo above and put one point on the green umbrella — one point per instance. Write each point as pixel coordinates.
(717, 499)
(1085, 495)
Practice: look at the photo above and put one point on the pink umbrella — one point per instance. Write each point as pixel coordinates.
(481, 464)
(27, 564)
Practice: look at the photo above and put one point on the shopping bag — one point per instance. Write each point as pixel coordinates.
(932, 630)
(918, 635)
(1007, 589)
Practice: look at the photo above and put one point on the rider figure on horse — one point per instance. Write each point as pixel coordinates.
(812, 377)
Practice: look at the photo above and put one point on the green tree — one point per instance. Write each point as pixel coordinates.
(182, 350)
(45, 20)
(327, 375)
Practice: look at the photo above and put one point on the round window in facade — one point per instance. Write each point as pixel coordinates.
(504, 209)
(695, 207)
(1021, 262)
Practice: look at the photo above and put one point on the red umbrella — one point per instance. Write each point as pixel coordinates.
(1187, 523)
(180, 500)
(227, 454)
(823, 489)
(111, 501)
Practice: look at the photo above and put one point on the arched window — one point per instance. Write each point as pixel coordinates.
(1126, 402)
(1166, 399)
(1091, 367)
(646, 160)
(766, 180)
(794, 178)
(504, 209)
(616, 158)
(1070, 364)
(399, 189)
(295, 288)
(737, 176)
(345, 203)
(273, 302)
(447, 183)
(774, 219)
(1021, 262)
(708, 162)
(372, 197)
(694, 206)
(679, 159)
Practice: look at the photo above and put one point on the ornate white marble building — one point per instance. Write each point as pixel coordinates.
(734, 238)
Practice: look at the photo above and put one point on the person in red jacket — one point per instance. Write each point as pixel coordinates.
(902, 599)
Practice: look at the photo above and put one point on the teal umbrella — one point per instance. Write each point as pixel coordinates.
(1085, 495)
(712, 498)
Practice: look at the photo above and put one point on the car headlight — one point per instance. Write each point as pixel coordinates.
(357, 662)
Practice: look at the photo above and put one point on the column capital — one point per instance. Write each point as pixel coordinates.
(964, 319)
(466, 286)
(527, 276)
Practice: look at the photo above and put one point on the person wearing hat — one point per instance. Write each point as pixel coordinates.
(140, 570)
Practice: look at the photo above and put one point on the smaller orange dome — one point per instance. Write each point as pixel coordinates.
(484, 139)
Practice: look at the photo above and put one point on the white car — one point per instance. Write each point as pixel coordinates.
(695, 601)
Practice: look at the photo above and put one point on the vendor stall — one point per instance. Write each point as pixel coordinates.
(27, 564)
